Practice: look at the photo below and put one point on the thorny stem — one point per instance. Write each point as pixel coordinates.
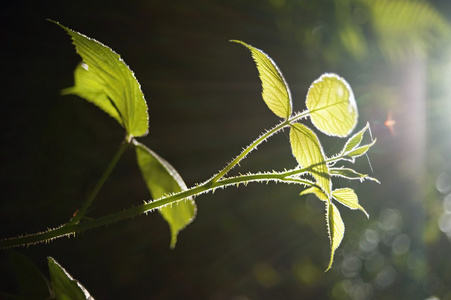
(257, 142)
(74, 225)
(73, 228)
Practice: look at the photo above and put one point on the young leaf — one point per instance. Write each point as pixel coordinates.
(348, 198)
(64, 286)
(336, 229)
(314, 190)
(350, 174)
(31, 282)
(355, 140)
(107, 77)
(360, 150)
(308, 152)
(276, 93)
(161, 179)
(332, 106)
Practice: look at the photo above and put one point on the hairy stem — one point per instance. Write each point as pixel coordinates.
(257, 142)
(73, 228)
(74, 225)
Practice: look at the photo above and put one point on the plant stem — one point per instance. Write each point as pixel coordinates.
(73, 228)
(85, 206)
(257, 142)
(74, 225)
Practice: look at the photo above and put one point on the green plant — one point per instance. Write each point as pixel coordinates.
(106, 81)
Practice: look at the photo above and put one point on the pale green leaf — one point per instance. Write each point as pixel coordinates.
(348, 198)
(336, 230)
(162, 179)
(107, 77)
(276, 93)
(350, 174)
(64, 286)
(355, 140)
(88, 86)
(316, 191)
(332, 106)
(309, 154)
(360, 150)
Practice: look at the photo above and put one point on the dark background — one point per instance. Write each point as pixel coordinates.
(255, 242)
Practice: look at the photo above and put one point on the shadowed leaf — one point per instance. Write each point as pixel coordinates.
(162, 179)
(64, 286)
(31, 282)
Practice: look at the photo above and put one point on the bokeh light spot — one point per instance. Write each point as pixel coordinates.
(401, 244)
(385, 277)
(443, 183)
(444, 223)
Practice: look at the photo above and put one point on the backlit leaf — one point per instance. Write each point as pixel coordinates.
(276, 93)
(348, 198)
(360, 150)
(355, 140)
(336, 229)
(309, 154)
(107, 77)
(162, 179)
(64, 286)
(88, 86)
(332, 106)
(316, 191)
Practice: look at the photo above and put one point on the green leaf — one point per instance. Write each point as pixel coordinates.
(162, 179)
(89, 87)
(31, 282)
(360, 150)
(64, 286)
(348, 198)
(336, 229)
(350, 174)
(276, 93)
(308, 152)
(355, 140)
(316, 191)
(332, 106)
(107, 77)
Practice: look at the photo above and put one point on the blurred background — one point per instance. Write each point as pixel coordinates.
(255, 242)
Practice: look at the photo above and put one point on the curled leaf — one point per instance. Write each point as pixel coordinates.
(276, 93)
(161, 179)
(332, 106)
